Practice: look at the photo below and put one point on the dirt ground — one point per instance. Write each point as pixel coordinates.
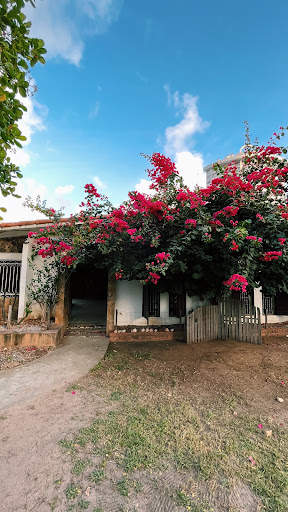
(11, 357)
(39, 475)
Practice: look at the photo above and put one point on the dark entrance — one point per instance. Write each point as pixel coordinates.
(89, 296)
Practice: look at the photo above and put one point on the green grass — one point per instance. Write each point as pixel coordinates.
(142, 356)
(123, 487)
(116, 395)
(97, 476)
(83, 504)
(80, 465)
(72, 491)
(215, 445)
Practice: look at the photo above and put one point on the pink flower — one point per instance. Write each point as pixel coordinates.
(190, 222)
(73, 392)
(236, 282)
(260, 426)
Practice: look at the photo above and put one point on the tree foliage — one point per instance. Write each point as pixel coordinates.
(18, 53)
(229, 235)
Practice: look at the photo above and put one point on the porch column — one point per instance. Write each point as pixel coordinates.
(258, 300)
(63, 305)
(25, 278)
(111, 296)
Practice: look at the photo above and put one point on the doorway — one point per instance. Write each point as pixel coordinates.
(89, 296)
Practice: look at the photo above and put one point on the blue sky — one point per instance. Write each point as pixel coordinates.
(124, 77)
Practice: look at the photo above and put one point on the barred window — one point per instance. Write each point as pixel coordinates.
(151, 301)
(268, 304)
(9, 277)
(177, 304)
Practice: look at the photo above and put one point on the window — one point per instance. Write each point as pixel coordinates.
(268, 304)
(151, 301)
(9, 277)
(177, 304)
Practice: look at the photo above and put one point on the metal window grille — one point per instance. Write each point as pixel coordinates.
(246, 299)
(177, 304)
(9, 277)
(268, 304)
(154, 302)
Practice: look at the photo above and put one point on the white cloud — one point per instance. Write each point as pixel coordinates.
(15, 209)
(190, 167)
(143, 187)
(66, 189)
(180, 136)
(32, 121)
(63, 24)
(179, 139)
(98, 182)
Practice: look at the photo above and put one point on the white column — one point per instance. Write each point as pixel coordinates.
(25, 278)
(258, 300)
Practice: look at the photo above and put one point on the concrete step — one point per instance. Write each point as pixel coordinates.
(85, 330)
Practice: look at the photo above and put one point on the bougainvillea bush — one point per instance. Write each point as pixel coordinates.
(228, 236)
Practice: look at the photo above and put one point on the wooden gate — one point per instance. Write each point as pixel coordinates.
(203, 324)
(227, 320)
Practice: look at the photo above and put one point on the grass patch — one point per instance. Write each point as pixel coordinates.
(142, 356)
(74, 387)
(72, 491)
(83, 504)
(116, 395)
(97, 476)
(215, 446)
(80, 465)
(123, 487)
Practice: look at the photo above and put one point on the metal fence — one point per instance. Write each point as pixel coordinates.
(9, 277)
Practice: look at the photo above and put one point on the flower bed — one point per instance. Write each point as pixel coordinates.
(161, 333)
(27, 337)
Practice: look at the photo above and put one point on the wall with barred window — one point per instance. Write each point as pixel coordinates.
(129, 305)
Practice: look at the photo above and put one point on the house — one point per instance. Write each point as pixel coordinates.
(88, 295)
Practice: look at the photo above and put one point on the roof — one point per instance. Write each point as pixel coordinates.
(22, 227)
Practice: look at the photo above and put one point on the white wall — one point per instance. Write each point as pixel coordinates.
(271, 319)
(129, 296)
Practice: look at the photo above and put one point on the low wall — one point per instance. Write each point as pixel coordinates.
(4, 307)
(39, 339)
(147, 336)
(280, 329)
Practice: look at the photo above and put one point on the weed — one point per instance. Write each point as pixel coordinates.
(67, 445)
(142, 355)
(53, 503)
(98, 509)
(72, 491)
(182, 499)
(73, 387)
(122, 366)
(3, 417)
(109, 356)
(122, 487)
(97, 476)
(96, 367)
(79, 466)
(116, 395)
(83, 504)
